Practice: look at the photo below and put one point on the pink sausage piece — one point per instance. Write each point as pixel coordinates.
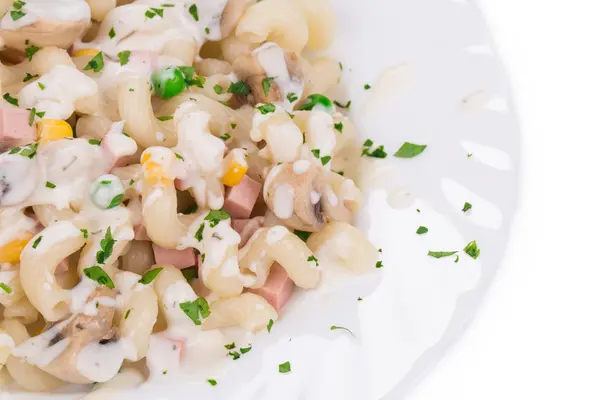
(240, 199)
(15, 129)
(247, 227)
(178, 258)
(277, 289)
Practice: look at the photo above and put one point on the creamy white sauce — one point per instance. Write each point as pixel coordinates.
(105, 189)
(100, 362)
(283, 201)
(14, 224)
(57, 233)
(55, 10)
(19, 177)
(301, 166)
(275, 234)
(37, 350)
(6, 341)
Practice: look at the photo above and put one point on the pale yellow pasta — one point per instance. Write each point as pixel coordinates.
(100, 8)
(128, 378)
(5, 378)
(22, 311)
(172, 289)
(38, 266)
(278, 21)
(184, 50)
(320, 75)
(135, 109)
(26, 375)
(9, 277)
(217, 83)
(47, 58)
(6, 346)
(321, 23)
(209, 67)
(48, 214)
(233, 47)
(249, 311)
(278, 244)
(340, 241)
(93, 127)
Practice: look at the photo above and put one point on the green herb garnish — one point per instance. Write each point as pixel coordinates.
(97, 274)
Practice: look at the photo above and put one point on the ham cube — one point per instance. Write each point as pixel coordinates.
(246, 228)
(240, 199)
(277, 289)
(15, 129)
(177, 258)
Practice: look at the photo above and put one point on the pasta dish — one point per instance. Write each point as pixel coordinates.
(170, 169)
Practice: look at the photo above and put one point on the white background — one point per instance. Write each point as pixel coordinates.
(538, 333)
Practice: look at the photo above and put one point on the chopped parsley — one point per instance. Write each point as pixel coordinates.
(165, 5)
(230, 346)
(302, 235)
(165, 371)
(441, 254)
(266, 85)
(472, 250)
(216, 216)
(177, 155)
(16, 14)
(207, 30)
(106, 246)
(285, 367)
(212, 382)
(97, 274)
(469, 155)
(339, 127)
(36, 242)
(314, 259)
(360, 299)
(266, 108)
(41, 86)
(334, 328)
(94, 142)
(199, 233)
(234, 354)
(325, 160)
(292, 97)
(410, 150)
(422, 230)
(341, 66)
(11, 100)
(218, 89)
(28, 151)
(96, 63)
(4, 287)
(124, 57)
(457, 258)
(367, 87)
(149, 276)
(29, 77)
(338, 104)
(270, 325)
(379, 264)
(233, 126)
(368, 151)
(116, 201)
(316, 153)
(239, 87)
(85, 233)
(50, 185)
(127, 313)
(467, 207)
(33, 113)
(225, 137)
(244, 350)
(193, 10)
(196, 309)
(112, 33)
(30, 51)
(190, 273)
(165, 118)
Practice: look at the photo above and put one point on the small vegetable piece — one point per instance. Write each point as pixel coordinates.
(239, 87)
(30, 52)
(106, 246)
(85, 233)
(317, 100)
(199, 233)
(440, 254)
(216, 216)
(50, 130)
(314, 259)
(467, 207)
(367, 86)
(472, 250)
(127, 313)
(212, 382)
(165, 118)
(333, 328)
(168, 82)
(116, 201)
(218, 89)
(230, 346)
(50, 185)
(285, 367)
(234, 354)
(97, 274)
(422, 230)
(235, 173)
(347, 105)
(266, 85)
(149, 276)
(410, 150)
(96, 63)
(244, 350)
(193, 10)
(41, 86)
(379, 264)
(124, 57)
(112, 33)
(339, 127)
(29, 77)
(266, 108)
(302, 235)
(292, 97)
(196, 309)
(270, 325)
(16, 15)
(5, 288)
(86, 52)
(11, 100)
(36, 242)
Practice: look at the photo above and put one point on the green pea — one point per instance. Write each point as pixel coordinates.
(168, 82)
(319, 101)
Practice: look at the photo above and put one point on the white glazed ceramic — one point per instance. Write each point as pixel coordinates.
(437, 81)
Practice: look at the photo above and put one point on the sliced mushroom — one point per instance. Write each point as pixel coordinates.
(44, 33)
(231, 15)
(252, 68)
(299, 194)
(78, 331)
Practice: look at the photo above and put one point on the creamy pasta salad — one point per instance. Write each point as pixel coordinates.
(169, 169)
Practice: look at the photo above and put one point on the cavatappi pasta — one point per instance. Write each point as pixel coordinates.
(162, 164)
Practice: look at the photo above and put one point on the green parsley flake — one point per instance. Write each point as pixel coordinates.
(316, 153)
(199, 233)
(165, 118)
(193, 10)
(36, 242)
(346, 106)
(360, 299)
(207, 30)
(325, 160)
(30, 151)
(106, 246)
(314, 259)
(244, 350)
(190, 273)
(230, 346)
(96, 63)
(212, 382)
(269, 325)
(266, 85)
(225, 137)
(196, 309)
(30, 51)
(339, 127)
(457, 258)
(85, 233)
(285, 367)
(378, 152)
(11, 100)
(116, 201)
(422, 230)
(379, 264)
(29, 77)
(94, 142)
(239, 87)
(4, 287)
(97, 274)
(410, 150)
(266, 108)
(333, 328)
(472, 250)
(216, 216)
(124, 57)
(177, 155)
(112, 33)
(302, 235)
(50, 185)
(41, 86)
(441, 254)
(127, 313)
(149, 276)
(218, 89)
(234, 354)
(16, 14)
(292, 97)
(367, 87)
(467, 207)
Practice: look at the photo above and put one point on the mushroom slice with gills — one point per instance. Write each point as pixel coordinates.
(299, 194)
(272, 74)
(232, 13)
(58, 350)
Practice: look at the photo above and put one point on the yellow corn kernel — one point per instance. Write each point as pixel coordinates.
(11, 252)
(153, 172)
(234, 174)
(50, 130)
(86, 52)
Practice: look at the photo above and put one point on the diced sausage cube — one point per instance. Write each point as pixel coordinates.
(277, 289)
(15, 129)
(246, 228)
(177, 258)
(240, 199)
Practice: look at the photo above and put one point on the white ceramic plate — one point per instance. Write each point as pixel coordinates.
(437, 81)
